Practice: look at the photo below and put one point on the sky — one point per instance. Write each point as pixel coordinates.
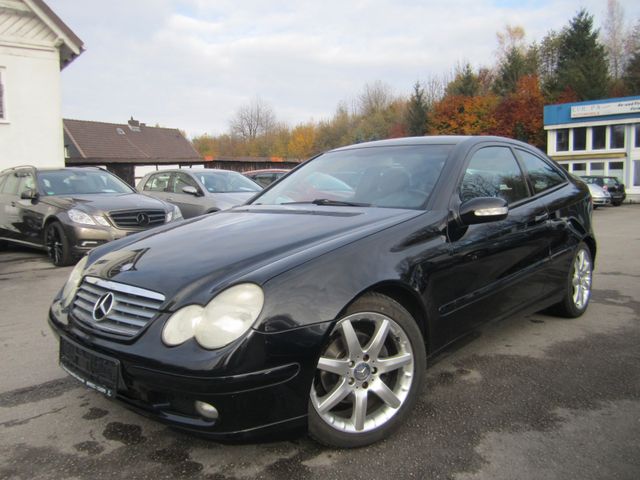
(191, 64)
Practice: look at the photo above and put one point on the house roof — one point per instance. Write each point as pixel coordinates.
(71, 46)
(133, 142)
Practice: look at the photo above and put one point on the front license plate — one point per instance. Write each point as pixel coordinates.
(93, 369)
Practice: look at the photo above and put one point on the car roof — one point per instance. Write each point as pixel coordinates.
(434, 140)
(52, 169)
(268, 170)
(193, 170)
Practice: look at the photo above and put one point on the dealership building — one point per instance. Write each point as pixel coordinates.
(597, 137)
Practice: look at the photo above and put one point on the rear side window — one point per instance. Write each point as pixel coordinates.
(158, 182)
(182, 180)
(543, 175)
(493, 172)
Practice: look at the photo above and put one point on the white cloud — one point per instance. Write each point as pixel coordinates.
(191, 63)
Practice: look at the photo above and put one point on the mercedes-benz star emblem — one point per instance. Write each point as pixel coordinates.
(142, 219)
(103, 306)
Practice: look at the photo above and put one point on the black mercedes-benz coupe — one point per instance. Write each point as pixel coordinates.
(318, 303)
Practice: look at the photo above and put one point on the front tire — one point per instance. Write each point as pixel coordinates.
(57, 245)
(369, 374)
(578, 285)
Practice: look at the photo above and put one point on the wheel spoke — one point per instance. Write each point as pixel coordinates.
(339, 393)
(351, 339)
(389, 364)
(378, 339)
(334, 365)
(359, 409)
(385, 393)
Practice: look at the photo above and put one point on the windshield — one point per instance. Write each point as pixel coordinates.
(393, 177)
(74, 182)
(226, 182)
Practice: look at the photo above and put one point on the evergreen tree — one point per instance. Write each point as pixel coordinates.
(582, 64)
(417, 112)
(465, 83)
(515, 65)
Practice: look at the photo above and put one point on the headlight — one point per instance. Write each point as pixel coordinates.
(78, 216)
(70, 288)
(175, 214)
(102, 221)
(220, 322)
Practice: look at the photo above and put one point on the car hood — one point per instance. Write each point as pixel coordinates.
(191, 261)
(106, 202)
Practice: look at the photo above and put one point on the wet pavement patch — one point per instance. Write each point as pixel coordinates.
(94, 413)
(90, 447)
(36, 393)
(125, 433)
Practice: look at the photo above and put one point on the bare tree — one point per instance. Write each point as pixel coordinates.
(614, 38)
(252, 120)
(376, 97)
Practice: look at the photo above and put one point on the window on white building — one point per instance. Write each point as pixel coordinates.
(617, 136)
(636, 142)
(580, 138)
(562, 140)
(598, 138)
(616, 169)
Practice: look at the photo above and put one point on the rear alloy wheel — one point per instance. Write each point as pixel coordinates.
(368, 376)
(578, 288)
(57, 245)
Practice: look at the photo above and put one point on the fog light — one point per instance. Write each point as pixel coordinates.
(206, 410)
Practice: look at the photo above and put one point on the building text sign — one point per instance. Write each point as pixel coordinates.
(602, 109)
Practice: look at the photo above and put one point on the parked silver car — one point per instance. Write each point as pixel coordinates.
(197, 191)
(599, 195)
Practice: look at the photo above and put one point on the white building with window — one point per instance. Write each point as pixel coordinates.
(35, 45)
(597, 137)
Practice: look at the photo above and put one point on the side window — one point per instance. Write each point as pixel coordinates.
(10, 186)
(182, 180)
(493, 172)
(26, 183)
(543, 176)
(263, 179)
(157, 182)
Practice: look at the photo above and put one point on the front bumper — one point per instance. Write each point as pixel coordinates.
(601, 201)
(84, 238)
(250, 400)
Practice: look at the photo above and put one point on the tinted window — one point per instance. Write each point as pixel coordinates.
(158, 182)
(26, 183)
(264, 179)
(542, 175)
(493, 172)
(393, 177)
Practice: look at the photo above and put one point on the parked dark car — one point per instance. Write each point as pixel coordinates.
(69, 211)
(610, 185)
(321, 312)
(267, 176)
(197, 191)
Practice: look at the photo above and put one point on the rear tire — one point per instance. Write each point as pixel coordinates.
(578, 285)
(57, 245)
(369, 375)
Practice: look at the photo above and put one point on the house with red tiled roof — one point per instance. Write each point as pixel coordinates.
(124, 148)
(35, 45)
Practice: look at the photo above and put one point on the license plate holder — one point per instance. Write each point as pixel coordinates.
(94, 370)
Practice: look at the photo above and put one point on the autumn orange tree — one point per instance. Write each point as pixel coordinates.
(519, 115)
(465, 115)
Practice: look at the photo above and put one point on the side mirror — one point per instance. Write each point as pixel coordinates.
(191, 190)
(29, 194)
(483, 210)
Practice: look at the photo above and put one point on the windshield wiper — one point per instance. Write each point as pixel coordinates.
(333, 203)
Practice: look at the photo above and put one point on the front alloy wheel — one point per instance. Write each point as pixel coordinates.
(368, 375)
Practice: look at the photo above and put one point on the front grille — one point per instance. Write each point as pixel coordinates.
(138, 218)
(131, 308)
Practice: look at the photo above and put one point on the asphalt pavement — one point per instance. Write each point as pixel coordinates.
(530, 397)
